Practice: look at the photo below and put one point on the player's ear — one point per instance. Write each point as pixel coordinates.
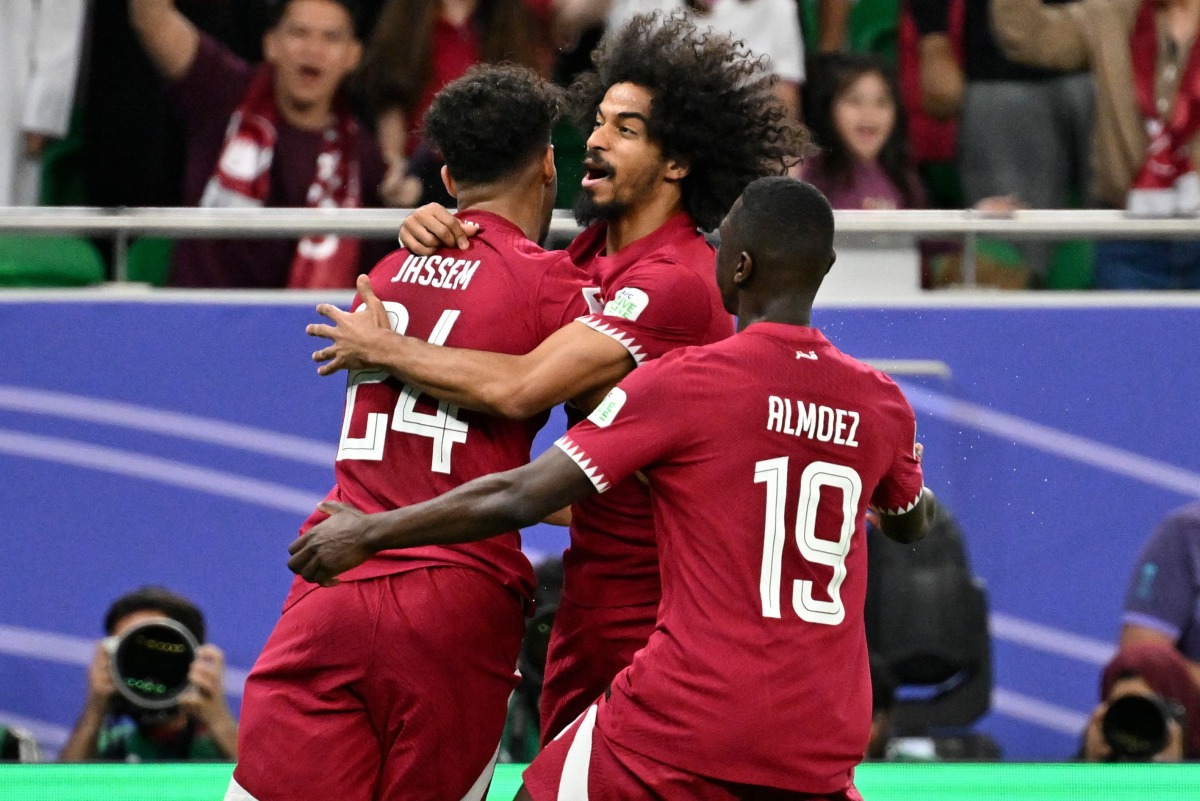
(832, 259)
(549, 174)
(448, 180)
(677, 169)
(744, 268)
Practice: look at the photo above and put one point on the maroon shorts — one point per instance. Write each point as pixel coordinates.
(588, 648)
(584, 765)
(387, 688)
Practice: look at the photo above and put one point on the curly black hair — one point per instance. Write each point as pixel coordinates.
(490, 122)
(156, 599)
(713, 106)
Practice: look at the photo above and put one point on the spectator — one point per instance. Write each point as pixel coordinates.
(201, 728)
(1162, 604)
(1145, 144)
(276, 136)
(1023, 131)
(39, 58)
(861, 130)
(132, 148)
(857, 119)
(421, 45)
(1165, 727)
(933, 136)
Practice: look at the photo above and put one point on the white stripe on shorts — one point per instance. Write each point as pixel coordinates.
(235, 792)
(479, 788)
(573, 785)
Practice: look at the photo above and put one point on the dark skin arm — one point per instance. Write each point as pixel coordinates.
(910, 526)
(574, 361)
(477, 510)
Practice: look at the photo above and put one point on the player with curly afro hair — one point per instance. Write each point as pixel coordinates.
(682, 121)
(711, 110)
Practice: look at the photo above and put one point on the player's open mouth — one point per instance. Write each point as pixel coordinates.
(594, 172)
(310, 73)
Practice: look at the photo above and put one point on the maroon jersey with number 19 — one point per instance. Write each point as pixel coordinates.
(762, 454)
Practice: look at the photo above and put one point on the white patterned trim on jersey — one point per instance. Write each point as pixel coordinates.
(900, 510)
(608, 329)
(585, 464)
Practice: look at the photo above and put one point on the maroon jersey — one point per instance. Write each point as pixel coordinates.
(399, 447)
(762, 454)
(657, 294)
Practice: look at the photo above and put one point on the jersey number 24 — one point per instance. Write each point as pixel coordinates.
(443, 427)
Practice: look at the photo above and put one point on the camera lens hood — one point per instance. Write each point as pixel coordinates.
(150, 660)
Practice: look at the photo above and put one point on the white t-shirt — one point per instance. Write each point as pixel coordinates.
(768, 27)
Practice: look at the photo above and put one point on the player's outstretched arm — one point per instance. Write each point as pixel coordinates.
(911, 526)
(477, 510)
(432, 227)
(573, 361)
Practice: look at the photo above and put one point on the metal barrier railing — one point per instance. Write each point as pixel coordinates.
(880, 228)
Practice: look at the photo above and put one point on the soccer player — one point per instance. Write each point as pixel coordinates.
(681, 122)
(395, 684)
(762, 453)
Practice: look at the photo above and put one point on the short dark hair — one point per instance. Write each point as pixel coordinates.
(712, 106)
(153, 598)
(786, 220)
(490, 122)
(279, 7)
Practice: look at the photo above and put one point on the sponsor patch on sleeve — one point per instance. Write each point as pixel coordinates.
(606, 412)
(628, 304)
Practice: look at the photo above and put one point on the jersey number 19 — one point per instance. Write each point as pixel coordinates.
(832, 553)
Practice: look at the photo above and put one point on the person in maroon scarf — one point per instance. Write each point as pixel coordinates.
(276, 135)
(1139, 679)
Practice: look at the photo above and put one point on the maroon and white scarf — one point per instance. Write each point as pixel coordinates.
(243, 180)
(1167, 183)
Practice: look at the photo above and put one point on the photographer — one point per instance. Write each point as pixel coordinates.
(1149, 709)
(113, 727)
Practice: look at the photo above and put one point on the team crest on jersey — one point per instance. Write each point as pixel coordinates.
(627, 304)
(606, 412)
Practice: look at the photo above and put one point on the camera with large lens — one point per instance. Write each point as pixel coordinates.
(149, 662)
(1137, 727)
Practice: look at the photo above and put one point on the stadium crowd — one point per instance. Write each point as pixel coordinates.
(387, 105)
(990, 104)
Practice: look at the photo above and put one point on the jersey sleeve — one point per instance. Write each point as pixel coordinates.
(562, 295)
(656, 307)
(1163, 590)
(632, 428)
(902, 485)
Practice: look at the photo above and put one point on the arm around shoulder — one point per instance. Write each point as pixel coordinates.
(170, 39)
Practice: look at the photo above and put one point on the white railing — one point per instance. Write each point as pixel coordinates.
(862, 228)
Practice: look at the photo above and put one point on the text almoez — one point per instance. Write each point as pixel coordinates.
(822, 423)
